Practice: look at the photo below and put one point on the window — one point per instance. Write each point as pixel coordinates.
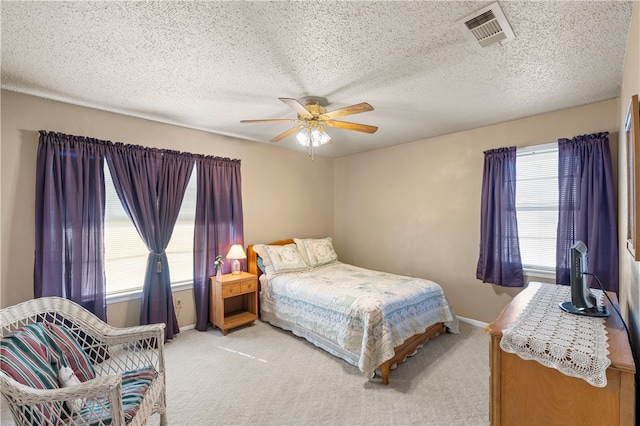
(537, 205)
(126, 254)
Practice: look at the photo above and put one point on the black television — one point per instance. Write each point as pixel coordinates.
(583, 302)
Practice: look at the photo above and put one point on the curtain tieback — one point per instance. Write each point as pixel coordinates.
(158, 261)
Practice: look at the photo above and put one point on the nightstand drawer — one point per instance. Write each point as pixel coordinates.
(249, 286)
(232, 289)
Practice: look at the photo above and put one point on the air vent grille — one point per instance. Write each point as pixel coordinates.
(487, 26)
(488, 16)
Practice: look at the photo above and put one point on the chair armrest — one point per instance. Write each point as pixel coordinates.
(103, 385)
(117, 350)
(102, 394)
(115, 335)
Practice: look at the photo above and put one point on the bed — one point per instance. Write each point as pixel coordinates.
(373, 320)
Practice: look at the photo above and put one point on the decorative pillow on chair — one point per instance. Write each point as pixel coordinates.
(280, 259)
(25, 358)
(66, 345)
(317, 251)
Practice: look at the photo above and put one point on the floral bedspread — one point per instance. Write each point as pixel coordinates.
(363, 311)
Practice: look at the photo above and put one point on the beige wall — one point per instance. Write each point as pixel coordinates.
(629, 269)
(410, 209)
(415, 208)
(284, 193)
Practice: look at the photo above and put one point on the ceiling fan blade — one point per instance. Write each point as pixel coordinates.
(277, 120)
(353, 109)
(296, 106)
(351, 126)
(287, 133)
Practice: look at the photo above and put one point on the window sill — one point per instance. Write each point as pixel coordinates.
(137, 294)
(539, 273)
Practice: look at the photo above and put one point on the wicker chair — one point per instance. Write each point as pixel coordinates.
(126, 366)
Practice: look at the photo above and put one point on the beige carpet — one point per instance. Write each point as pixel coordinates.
(262, 375)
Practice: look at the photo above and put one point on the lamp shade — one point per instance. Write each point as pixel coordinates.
(236, 252)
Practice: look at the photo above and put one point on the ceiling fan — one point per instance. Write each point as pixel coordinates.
(313, 116)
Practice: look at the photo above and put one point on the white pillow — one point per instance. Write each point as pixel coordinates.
(317, 251)
(280, 259)
(67, 377)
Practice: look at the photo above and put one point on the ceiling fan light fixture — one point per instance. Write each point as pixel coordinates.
(310, 133)
(313, 136)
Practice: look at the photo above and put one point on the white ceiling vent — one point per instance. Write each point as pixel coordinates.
(487, 26)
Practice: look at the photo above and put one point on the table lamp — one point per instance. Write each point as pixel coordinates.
(236, 252)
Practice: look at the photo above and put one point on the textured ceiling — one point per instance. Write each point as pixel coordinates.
(208, 65)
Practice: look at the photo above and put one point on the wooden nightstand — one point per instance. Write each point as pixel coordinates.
(234, 301)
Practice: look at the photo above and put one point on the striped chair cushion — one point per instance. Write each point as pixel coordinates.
(134, 386)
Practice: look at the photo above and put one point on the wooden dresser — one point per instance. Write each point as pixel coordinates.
(528, 393)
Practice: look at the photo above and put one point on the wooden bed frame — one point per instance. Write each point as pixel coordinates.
(407, 348)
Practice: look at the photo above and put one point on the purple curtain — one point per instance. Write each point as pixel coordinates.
(218, 224)
(587, 207)
(70, 203)
(499, 261)
(151, 184)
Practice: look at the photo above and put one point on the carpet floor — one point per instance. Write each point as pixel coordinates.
(262, 375)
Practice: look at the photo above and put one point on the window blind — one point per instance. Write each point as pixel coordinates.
(125, 252)
(537, 205)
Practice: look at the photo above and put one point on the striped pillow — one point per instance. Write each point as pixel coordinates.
(69, 351)
(26, 359)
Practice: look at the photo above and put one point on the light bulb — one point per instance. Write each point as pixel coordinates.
(303, 137)
(325, 138)
(316, 136)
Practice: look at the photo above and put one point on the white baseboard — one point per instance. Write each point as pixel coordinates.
(473, 322)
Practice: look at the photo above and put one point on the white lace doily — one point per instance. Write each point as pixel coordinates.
(572, 344)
